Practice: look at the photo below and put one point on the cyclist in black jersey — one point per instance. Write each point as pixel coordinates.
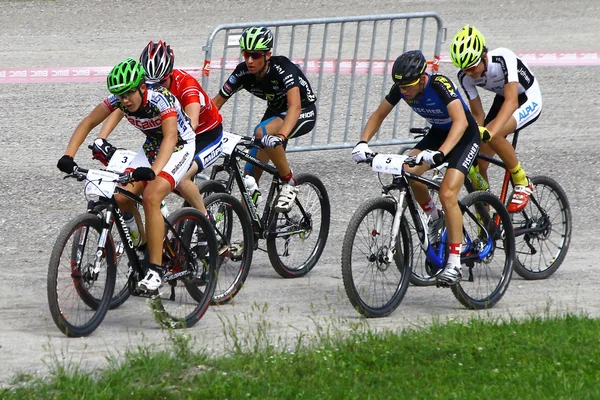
(291, 110)
(453, 137)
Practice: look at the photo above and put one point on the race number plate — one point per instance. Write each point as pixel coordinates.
(389, 163)
(229, 141)
(101, 183)
(121, 160)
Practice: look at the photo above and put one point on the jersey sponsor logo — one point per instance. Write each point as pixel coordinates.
(269, 96)
(279, 69)
(471, 156)
(525, 74)
(428, 111)
(444, 81)
(232, 79)
(180, 163)
(144, 124)
(528, 110)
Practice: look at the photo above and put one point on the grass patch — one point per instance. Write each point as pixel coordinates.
(555, 357)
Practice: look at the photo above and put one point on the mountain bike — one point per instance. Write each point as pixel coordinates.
(377, 247)
(82, 267)
(294, 240)
(542, 229)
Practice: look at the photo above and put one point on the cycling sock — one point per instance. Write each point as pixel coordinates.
(454, 255)
(430, 209)
(518, 175)
(289, 179)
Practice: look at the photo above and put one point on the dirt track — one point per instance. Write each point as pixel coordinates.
(37, 121)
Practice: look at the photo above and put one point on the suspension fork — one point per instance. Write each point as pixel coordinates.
(101, 250)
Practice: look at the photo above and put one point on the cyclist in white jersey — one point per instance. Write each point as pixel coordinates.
(517, 104)
(167, 152)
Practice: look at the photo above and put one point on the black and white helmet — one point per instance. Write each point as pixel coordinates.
(157, 58)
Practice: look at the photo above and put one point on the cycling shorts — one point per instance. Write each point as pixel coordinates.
(306, 120)
(530, 107)
(463, 155)
(175, 168)
(209, 147)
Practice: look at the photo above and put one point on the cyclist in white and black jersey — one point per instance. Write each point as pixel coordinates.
(517, 104)
(291, 110)
(167, 152)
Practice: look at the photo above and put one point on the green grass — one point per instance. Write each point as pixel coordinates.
(555, 357)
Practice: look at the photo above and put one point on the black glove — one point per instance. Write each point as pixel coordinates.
(143, 174)
(102, 151)
(66, 164)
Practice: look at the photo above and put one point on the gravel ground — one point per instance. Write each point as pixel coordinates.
(37, 121)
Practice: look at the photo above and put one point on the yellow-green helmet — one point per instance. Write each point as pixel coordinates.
(125, 76)
(256, 39)
(467, 47)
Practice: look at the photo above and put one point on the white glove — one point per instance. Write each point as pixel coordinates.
(359, 153)
(271, 141)
(431, 157)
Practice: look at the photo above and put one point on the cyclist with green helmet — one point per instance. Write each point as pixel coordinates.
(291, 110)
(166, 154)
(518, 101)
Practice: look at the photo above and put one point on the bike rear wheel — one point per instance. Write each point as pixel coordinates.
(79, 296)
(295, 241)
(547, 222)
(191, 277)
(485, 280)
(375, 284)
(234, 235)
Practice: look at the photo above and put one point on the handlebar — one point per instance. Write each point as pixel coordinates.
(80, 174)
(419, 131)
(410, 161)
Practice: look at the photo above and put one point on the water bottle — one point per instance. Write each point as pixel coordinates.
(163, 209)
(477, 180)
(134, 231)
(252, 187)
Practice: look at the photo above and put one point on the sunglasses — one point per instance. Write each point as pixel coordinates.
(407, 85)
(255, 55)
(472, 68)
(128, 94)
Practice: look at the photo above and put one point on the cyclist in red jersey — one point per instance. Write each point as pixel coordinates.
(158, 59)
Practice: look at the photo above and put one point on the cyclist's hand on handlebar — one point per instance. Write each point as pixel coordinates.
(66, 164)
(485, 134)
(102, 151)
(360, 151)
(431, 157)
(143, 174)
(271, 141)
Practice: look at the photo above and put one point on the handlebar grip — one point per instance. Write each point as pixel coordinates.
(419, 131)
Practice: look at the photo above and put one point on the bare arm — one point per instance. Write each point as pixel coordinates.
(477, 110)
(376, 119)
(459, 125)
(510, 105)
(111, 123)
(219, 101)
(193, 111)
(293, 112)
(167, 146)
(98, 114)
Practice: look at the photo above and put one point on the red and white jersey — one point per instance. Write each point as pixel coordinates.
(187, 89)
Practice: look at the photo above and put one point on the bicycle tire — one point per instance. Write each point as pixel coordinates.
(377, 267)
(78, 285)
(531, 262)
(294, 224)
(481, 269)
(187, 301)
(231, 273)
(210, 187)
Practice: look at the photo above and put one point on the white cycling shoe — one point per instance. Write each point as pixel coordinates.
(286, 198)
(152, 281)
(450, 276)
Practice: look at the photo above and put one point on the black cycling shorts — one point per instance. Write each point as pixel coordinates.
(306, 120)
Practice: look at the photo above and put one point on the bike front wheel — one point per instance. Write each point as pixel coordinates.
(542, 230)
(79, 285)
(375, 282)
(236, 244)
(295, 241)
(488, 251)
(190, 255)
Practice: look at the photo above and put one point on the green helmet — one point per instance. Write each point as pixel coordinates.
(256, 39)
(467, 47)
(126, 75)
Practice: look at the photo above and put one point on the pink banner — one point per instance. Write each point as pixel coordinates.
(98, 74)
